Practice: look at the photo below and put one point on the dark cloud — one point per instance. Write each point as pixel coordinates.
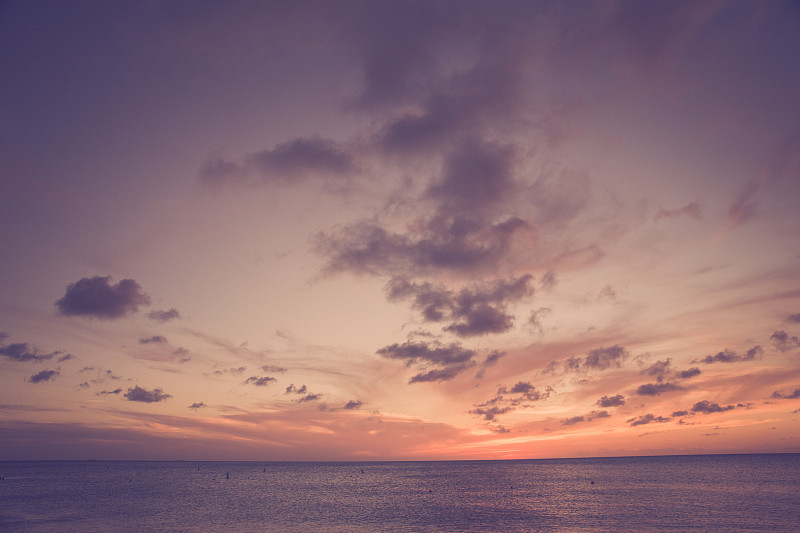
(585, 418)
(197, 405)
(441, 374)
(292, 161)
(523, 393)
(164, 316)
(44, 375)
(654, 389)
(493, 358)
(729, 356)
(611, 401)
(790, 396)
(353, 404)
(680, 413)
(597, 359)
(259, 381)
(24, 352)
(155, 339)
(309, 398)
(475, 310)
(237, 371)
(107, 392)
(97, 297)
(783, 342)
(659, 369)
(794, 318)
(139, 394)
(549, 280)
(706, 406)
(291, 389)
(647, 419)
(273, 368)
(688, 373)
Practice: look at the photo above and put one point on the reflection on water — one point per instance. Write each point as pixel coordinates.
(699, 493)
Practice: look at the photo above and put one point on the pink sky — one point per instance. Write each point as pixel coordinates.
(399, 230)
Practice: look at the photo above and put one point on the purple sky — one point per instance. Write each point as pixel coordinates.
(384, 230)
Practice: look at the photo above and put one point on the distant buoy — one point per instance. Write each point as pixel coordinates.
(227, 475)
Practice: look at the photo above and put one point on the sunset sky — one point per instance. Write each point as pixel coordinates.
(398, 230)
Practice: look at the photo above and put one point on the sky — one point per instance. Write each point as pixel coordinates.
(374, 230)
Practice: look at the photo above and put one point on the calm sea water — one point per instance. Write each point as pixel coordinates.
(679, 493)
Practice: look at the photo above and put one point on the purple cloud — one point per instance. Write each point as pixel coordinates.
(164, 316)
(654, 389)
(647, 419)
(139, 394)
(598, 359)
(783, 342)
(706, 406)
(97, 297)
(259, 381)
(44, 375)
(611, 401)
(729, 356)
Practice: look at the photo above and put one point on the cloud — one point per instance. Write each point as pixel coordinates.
(259, 381)
(729, 356)
(97, 297)
(647, 419)
(523, 393)
(706, 406)
(688, 373)
(292, 161)
(535, 318)
(598, 359)
(585, 418)
(611, 401)
(475, 310)
(441, 374)
(273, 368)
(680, 413)
(164, 316)
(692, 210)
(292, 389)
(197, 405)
(44, 375)
(24, 352)
(658, 369)
(783, 342)
(309, 398)
(107, 392)
(790, 396)
(155, 339)
(139, 394)
(654, 389)
(353, 404)
(794, 318)
(493, 358)
(452, 357)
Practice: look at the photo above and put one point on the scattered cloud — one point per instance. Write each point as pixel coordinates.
(794, 318)
(783, 342)
(107, 392)
(693, 210)
(353, 404)
(780, 396)
(155, 339)
(597, 359)
(139, 394)
(688, 373)
(97, 297)
(729, 356)
(585, 418)
(259, 381)
(273, 368)
(611, 401)
(523, 393)
(647, 419)
(654, 389)
(24, 352)
(44, 375)
(707, 406)
(164, 316)
(452, 357)
(197, 405)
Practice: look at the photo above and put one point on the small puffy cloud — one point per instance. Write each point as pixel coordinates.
(309, 398)
(778, 395)
(259, 381)
(489, 412)
(654, 389)
(353, 404)
(706, 406)
(97, 297)
(164, 316)
(794, 318)
(197, 405)
(441, 374)
(659, 369)
(688, 373)
(783, 342)
(472, 311)
(680, 413)
(155, 339)
(44, 375)
(598, 359)
(24, 352)
(413, 352)
(573, 420)
(611, 401)
(107, 392)
(292, 161)
(273, 368)
(523, 393)
(584, 418)
(493, 358)
(729, 356)
(647, 419)
(139, 394)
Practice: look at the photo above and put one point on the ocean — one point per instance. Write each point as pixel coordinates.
(675, 493)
